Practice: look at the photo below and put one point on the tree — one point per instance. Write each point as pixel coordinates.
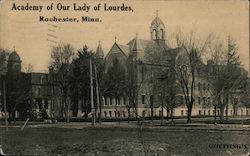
(115, 82)
(161, 58)
(225, 76)
(61, 58)
(187, 61)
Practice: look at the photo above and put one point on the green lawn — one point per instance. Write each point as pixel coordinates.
(119, 141)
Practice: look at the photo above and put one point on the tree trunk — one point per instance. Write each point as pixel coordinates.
(189, 113)
(172, 115)
(222, 113)
(167, 113)
(152, 114)
(215, 119)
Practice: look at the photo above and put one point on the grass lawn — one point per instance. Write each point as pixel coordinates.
(121, 141)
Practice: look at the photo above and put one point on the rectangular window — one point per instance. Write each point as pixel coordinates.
(110, 114)
(151, 100)
(208, 112)
(105, 114)
(204, 112)
(123, 114)
(182, 100)
(160, 113)
(204, 100)
(208, 100)
(143, 99)
(199, 112)
(199, 86)
(204, 86)
(104, 101)
(111, 101)
(199, 100)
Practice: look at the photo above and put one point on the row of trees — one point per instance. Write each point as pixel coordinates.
(223, 72)
(178, 68)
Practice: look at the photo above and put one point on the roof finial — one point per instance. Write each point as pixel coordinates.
(115, 39)
(156, 13)
(14, 47)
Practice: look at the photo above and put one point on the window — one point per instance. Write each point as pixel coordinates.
(231, 112)
(182, 100)
(160, 113)
(115, 114)
(182, 112)
(118, 113)
(199, 100)
(118, 101)
(208, 112)
(154, 34)
(105, 114)
(104, 101)
(123, 114)
(110, 114)
(199, 86)
(204, 112)
(208, 100)
(111, 101)
(151, 100)
(199, 112)
(218, 112)
(143, 113)
(143, 99)
(204, 86)
(162, 34)
(246, 112)
(204, 100)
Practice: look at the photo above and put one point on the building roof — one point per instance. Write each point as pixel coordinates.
(99, 51)
(157, 22)
(14, 57)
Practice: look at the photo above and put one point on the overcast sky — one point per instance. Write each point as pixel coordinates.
(29, 36)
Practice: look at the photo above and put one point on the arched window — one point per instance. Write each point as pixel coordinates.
(154, 34)
(162, 34)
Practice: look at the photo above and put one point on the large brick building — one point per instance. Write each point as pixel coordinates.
(148, 93)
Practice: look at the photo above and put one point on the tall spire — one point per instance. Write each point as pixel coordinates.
(99, 51)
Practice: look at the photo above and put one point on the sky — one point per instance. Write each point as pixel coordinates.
(22, 31)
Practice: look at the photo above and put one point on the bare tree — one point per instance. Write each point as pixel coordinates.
(191, 50)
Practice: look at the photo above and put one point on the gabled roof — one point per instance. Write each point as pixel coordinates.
(122, 48)
(142, 43)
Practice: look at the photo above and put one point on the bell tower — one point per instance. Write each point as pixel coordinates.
(157, 29)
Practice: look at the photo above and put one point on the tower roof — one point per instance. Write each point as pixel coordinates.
(99, 51)
(137, 44)
(157, 22)
(14, 57)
